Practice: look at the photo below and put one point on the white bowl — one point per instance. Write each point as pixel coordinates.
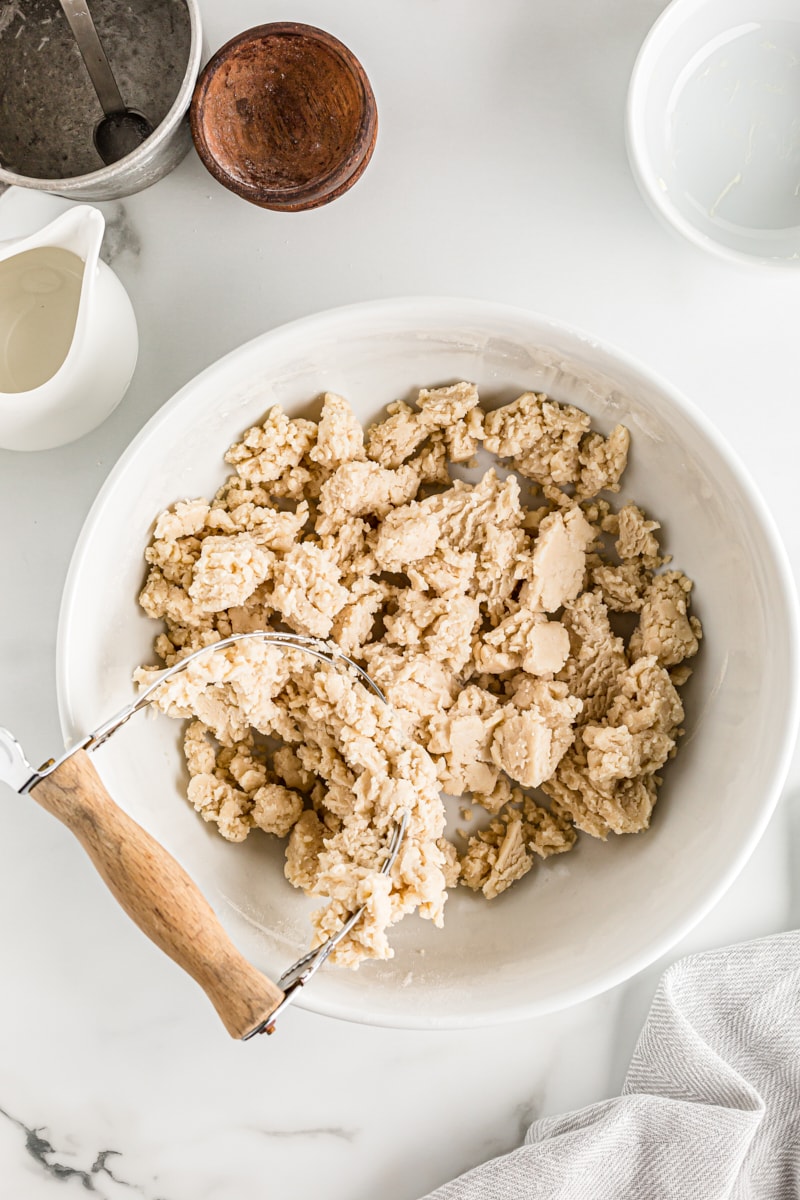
(712, 125)
(579, 923)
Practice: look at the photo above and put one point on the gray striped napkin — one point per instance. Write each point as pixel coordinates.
(710, 1109)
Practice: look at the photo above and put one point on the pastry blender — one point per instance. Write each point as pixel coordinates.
(147, 881)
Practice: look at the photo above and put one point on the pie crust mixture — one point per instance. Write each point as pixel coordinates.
(529, 643)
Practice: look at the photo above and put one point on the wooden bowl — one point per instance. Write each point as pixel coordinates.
(284, 116)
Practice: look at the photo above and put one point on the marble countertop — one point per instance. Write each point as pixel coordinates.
(500, 173)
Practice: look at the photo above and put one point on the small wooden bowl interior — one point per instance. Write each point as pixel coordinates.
(284, 116)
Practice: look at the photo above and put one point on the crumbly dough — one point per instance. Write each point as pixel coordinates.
(488, 622)
(504, 851)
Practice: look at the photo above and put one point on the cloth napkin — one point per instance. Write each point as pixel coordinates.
(711, 1103)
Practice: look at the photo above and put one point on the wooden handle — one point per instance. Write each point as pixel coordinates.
(158, 894)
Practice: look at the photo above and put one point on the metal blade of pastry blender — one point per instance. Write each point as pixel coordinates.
(15, 770)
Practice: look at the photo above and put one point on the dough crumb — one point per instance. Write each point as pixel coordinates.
(665, 628)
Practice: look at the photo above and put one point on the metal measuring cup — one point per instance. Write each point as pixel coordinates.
(51, 110)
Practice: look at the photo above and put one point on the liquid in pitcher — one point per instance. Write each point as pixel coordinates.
(40, 293)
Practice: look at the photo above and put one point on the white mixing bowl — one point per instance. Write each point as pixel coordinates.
(712, 126)
(576, 924)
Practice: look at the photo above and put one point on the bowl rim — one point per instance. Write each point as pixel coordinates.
(637, 146)
(110, 174)
(456, 310)
(313, 193)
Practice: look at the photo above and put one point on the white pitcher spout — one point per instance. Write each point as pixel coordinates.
(79, 230)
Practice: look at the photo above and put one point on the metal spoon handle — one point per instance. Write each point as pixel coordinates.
(93, 54)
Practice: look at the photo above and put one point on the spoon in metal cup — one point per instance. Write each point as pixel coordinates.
(122, 130)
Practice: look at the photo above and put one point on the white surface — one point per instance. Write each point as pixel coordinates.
(713, 125)
(491, 961)
(51, 407)
(500, 172)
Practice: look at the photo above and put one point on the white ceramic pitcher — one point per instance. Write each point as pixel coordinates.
(68, 337)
